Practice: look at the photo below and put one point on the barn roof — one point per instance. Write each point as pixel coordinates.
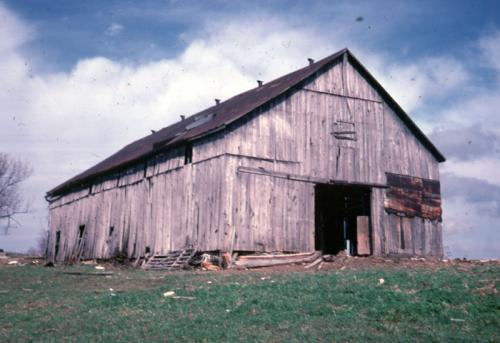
(217, 117)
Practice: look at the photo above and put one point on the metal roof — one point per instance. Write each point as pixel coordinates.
(219, 116)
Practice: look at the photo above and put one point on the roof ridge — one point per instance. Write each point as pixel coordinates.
(227, 112)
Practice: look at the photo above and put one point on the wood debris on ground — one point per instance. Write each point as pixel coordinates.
(174, 260)
(172, 295)
(191, 258)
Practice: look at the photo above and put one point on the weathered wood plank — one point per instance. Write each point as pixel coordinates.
(363, 233)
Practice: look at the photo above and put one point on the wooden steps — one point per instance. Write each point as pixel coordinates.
(174, 260)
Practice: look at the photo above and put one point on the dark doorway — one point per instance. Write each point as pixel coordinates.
(338, 209)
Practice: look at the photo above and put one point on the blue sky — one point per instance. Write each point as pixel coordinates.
(83, 78)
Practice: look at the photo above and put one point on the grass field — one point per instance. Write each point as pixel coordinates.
(452, 304)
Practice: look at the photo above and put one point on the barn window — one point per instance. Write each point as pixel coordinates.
(58, 241)
(188, 153)
(344, 130)
(81, 230)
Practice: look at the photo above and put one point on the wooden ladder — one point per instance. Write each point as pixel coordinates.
(174, 260)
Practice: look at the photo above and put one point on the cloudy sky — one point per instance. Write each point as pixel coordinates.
(81, 79)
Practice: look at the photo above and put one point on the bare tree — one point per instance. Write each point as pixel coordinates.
(12, 173)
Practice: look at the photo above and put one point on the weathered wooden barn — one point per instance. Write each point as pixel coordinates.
(319, 159)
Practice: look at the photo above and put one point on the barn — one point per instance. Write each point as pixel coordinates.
(322, 159)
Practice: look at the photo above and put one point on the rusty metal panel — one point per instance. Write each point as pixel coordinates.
(431, 199)
(413, 197)
(363, 233)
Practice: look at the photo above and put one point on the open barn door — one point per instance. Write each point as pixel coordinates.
(342, 219)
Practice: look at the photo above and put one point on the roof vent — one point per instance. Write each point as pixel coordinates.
(183, 117)
(260, 83)
(311, 61)
(217, 101)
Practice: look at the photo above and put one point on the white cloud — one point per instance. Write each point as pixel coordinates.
(485, 168)
(114, 29)
(14, 32)
(489, 46)
(412, 85)
(469, 143)
(270, 47)
(480, 107)
(467, 232)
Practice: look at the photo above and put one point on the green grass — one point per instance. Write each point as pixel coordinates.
(449, 304)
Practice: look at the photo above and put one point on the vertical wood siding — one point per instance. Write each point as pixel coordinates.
(165, 205)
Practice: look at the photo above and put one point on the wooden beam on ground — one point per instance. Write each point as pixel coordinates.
(318, 261)
(256, 261)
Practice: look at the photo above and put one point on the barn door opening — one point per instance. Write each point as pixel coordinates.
(342, 219)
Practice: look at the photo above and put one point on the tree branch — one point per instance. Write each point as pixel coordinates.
(12, 173)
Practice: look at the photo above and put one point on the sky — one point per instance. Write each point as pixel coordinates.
(81, 79)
